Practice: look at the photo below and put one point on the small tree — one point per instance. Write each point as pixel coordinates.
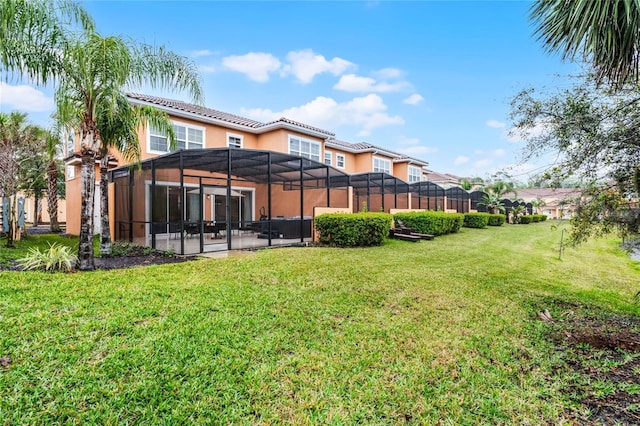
(493, 203)
(594, 136)
(18, 140)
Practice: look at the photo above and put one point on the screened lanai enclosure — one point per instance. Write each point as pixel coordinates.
(196, 201)
(379, 192)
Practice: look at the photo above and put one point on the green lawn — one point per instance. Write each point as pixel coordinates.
(442, 330)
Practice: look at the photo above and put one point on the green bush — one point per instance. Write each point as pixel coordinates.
(476, 220)
(526, 219)
(497, 219)
(538, 217)
(56, 258)
(353, 230)
(430, 222)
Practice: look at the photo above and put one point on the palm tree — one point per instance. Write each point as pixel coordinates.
(605, 33)
(119, 131)
(92, 71)
(52, 143)
(492, 202)
(33, 173)
(34, 32)
(96, 72)
(501, 188)
(538, 204)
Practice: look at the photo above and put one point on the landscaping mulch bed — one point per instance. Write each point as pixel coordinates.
(605, 350)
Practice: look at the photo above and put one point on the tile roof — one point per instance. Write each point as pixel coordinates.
(219, 115)
(441, 177)
(365, 146)
(563, 193)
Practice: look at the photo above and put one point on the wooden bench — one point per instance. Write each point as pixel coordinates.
(396, 232)
(406, 237)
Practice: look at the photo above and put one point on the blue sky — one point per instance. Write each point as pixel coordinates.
(431, 79)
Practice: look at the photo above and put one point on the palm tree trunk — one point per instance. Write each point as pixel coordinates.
(52, 197)
(88, 177)
(105, 231)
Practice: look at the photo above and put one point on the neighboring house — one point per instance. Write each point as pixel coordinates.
(556, 203)
(443, 179)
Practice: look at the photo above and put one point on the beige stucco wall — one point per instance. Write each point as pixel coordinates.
(74, 201)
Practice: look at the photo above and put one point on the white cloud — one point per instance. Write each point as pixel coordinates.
(460, 160)
(408, 141)
(414, 99)
(412, 146)
(256, 65)
(368, 112)
(305, 65)
(24, 98)
(207, 69)
(388, 73)
(482, 163)
(355, 83)
(496, 124)
(200, 53)
(421, 149)
(498, 152)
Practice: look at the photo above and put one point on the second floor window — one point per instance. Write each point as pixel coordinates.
(234, 141)
(340, 161)
(415, 174)
(187, 137)
(327, 158)
(304, 148)
(380, 165)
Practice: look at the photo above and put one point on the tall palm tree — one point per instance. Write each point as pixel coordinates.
(92, 70)
(34, 32)
(97, 71)
(603, 32)
(119, 132)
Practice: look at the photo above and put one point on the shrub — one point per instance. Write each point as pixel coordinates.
(56, 258)
(476, 220)
(543, 217)
(497, 219)
(353, 229)
(430, 222)
(526, 219)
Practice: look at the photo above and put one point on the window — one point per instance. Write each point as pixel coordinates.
(327, 158)
(70, 146)
(71, 172)
(415, 174)
(340, 160)
(187, 137)
(381, 165)
(304, 148)
(234, 141)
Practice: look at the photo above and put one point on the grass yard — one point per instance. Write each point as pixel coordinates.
(444, 330)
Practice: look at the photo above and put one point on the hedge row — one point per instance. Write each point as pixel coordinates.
(497, 219)
(353, 229)
(476, 220)
(430, 222)
(538, 217)
(530, 218)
